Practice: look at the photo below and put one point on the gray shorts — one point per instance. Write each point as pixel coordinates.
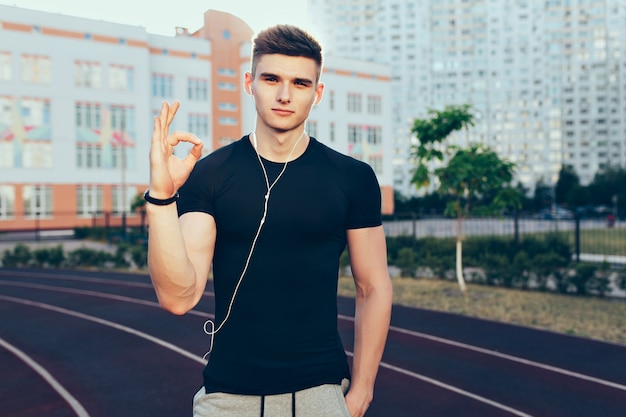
(321, 401)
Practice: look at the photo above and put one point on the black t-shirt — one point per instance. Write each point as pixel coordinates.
(282, 333)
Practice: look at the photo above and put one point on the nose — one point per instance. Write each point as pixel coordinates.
(284, 95)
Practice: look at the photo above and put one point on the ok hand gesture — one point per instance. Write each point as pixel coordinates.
(167, 172)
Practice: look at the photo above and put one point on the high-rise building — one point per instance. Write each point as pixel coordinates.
(78, 97)
(546, 79)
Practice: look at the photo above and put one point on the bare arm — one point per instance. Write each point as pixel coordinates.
(368, 258)
(180, 251)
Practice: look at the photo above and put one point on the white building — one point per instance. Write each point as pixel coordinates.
(546, 79)
(78, 97)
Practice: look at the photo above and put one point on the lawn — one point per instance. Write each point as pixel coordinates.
(597, 318)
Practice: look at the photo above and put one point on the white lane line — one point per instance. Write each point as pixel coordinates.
(93, 294)
(77, 278)
(104, 322)
(340, 316)
(69, 398)
(201, 360)
(351, 319)
(505, 356)
(452, 388)
(383, 364)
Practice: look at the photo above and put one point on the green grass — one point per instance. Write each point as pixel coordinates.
(603, 241)
(595, 318)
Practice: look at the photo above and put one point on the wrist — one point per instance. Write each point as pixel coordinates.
(159, 201)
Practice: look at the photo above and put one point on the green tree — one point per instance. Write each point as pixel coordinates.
(542, 196)
(138, 202)
(471, 174)
(567, 183)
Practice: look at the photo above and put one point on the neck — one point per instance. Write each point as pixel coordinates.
(280, 148)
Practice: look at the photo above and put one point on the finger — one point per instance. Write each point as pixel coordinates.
(194, 154)
(171, 113)
(156, 133)
(176, 137)
(165, 107)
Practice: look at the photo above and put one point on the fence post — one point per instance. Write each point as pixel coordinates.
(516, 227)
(143, 222)
(577, 237)
(414, 224)
(37, 236)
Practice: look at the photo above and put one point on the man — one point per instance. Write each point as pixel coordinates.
(271, 214)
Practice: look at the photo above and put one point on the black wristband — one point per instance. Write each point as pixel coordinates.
(159, 202)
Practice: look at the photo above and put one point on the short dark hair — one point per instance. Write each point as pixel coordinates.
(286, 40)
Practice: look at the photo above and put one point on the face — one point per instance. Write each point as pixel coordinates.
(284, 90)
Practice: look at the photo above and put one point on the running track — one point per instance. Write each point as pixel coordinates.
(76, 343)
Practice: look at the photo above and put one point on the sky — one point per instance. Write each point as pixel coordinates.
(161, 17)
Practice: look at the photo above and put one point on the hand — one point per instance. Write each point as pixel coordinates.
(167, 172)
(357, 404)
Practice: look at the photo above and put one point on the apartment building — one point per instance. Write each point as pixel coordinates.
(546, 79)
(78, 96)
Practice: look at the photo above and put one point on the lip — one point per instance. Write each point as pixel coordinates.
(282, 112)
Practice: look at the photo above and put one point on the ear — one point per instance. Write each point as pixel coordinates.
(319, 90)
(247, 83)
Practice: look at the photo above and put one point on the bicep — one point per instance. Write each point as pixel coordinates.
(199, 233)
(368, 256)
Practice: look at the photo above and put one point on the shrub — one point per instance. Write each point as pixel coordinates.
(119, 259)
(406, 261)
(139, 255)
(18, 257)
(88, 257)
(584, 273)
(547, 266)
(56, 256)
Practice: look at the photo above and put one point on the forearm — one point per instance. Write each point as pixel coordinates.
(372, 317)
(171, 270)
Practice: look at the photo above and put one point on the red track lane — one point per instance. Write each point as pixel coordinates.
(104, 339)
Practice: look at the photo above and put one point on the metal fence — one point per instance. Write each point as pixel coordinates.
(591, 239)
(63, 225)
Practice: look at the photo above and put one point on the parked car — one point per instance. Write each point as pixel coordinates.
(555, 212)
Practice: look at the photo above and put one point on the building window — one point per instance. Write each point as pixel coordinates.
(7, 202)
(198, 124)
(331, 132)
(227, 72)
(374, 104)
(223, 106)
(5, 66)
(37, 200)
(311, 128)
(27, 140)
(354, 103)
(374, 135)
(87, 74)
(376, 162)
(227, 86)
(228, 121)
(121, 202)
(162, 86)
(354, 134)
(88, 114)
(331, 100)
(121, 78)
(197, 89)
(104, 136)
(89, 200)
(36, 69)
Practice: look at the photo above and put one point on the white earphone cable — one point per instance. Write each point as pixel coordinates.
(269, 187)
